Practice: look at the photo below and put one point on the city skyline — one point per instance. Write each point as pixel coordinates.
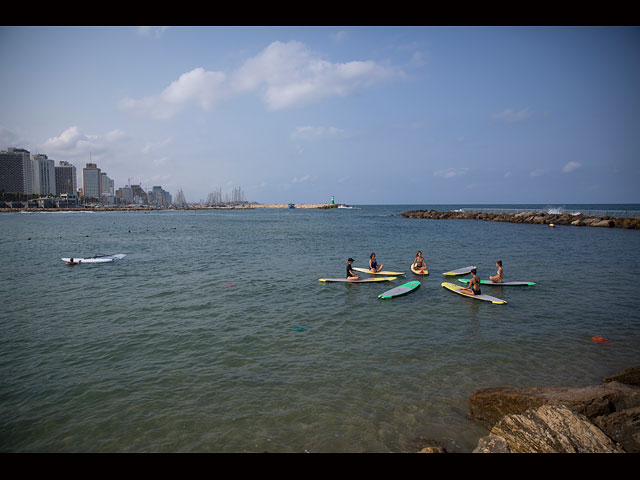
(370, 115)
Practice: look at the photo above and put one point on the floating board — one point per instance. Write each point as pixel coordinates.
(96, 259)
(487, 298)
(419, 271)
(382, 272)
(498, 284)
(362, 280)
(401, 290)
(460, 271)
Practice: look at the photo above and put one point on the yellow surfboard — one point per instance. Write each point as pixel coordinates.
(382, 272)
(457, 289)
(362, 280)
(419, 271)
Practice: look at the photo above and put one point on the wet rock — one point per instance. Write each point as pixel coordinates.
(613, 406)
(552, 429)
(492, 444)
(628, 376)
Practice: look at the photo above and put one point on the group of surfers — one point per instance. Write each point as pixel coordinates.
(419, 262)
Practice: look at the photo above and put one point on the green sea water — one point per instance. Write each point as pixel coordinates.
(214, 334)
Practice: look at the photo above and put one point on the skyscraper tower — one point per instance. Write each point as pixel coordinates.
(15, 171)
(91, 181)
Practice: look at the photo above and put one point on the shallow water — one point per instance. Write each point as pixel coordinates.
(214, 333)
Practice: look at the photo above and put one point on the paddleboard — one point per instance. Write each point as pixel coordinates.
(487, 298)
(460, 271)
(497, 284)
(362, 280)
(96, 259)
(382, 272)
(419, 271)
(401, 290)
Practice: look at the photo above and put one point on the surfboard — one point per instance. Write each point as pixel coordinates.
(401, 290)
(382, 272)
(496, 284)
(362, 280)
(96, 259)
(419, 271)
(459, 271)
(487, 298)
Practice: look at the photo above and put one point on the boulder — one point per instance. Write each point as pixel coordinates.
(603, 223)
(612, 406)
(489, 405)
(552, 429)
(628, 376)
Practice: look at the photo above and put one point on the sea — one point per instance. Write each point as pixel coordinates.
(214, 333)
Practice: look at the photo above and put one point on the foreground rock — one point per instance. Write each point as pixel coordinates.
(599, 418)
(549, 429)
(542, 218)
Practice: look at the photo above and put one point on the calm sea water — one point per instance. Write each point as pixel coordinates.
(214, 334)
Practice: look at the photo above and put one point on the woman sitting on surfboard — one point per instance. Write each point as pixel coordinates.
(373, 265)
(498, 278)
(350, 274)
(419, 263)
(474, 285)
(71, 262)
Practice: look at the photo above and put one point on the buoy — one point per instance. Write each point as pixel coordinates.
(551, 225)
(600, 340)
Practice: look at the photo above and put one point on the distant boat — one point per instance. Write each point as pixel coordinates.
(291, 205)
(346, 206)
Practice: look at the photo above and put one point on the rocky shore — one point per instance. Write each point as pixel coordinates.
(550, 219)
(602, 418)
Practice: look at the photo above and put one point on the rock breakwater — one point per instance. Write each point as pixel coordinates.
(542, 218)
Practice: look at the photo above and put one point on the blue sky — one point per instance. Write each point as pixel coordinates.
(370, 115)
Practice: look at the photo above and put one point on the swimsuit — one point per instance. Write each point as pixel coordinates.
(374, 265)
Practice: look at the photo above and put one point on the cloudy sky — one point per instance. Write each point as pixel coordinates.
(407, 115)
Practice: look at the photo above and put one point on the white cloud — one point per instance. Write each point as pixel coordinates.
(285, 74)
(73, 143)
(512, 116)
(300, 180)
(151, 31)
(317, 133)
(571, 166)
(538, 172)
(450, 172)
(199, 87)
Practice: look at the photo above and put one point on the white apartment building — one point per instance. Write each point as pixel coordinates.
(44, 175)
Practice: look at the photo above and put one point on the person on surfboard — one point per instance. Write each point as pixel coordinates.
(419, 263)
(71, 262)
(373, 265)
(498, 277)
(350, 274)
(474, 285)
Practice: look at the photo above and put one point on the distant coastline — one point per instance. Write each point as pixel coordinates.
(138, 208)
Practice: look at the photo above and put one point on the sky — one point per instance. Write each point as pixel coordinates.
(368, 115)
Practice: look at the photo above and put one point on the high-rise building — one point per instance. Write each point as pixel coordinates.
(91, 181)
(44, 175)
(107, 185)
(66, 179)
(15, 171)
(159, 197)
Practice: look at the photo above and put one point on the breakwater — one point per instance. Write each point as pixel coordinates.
(543, 218)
